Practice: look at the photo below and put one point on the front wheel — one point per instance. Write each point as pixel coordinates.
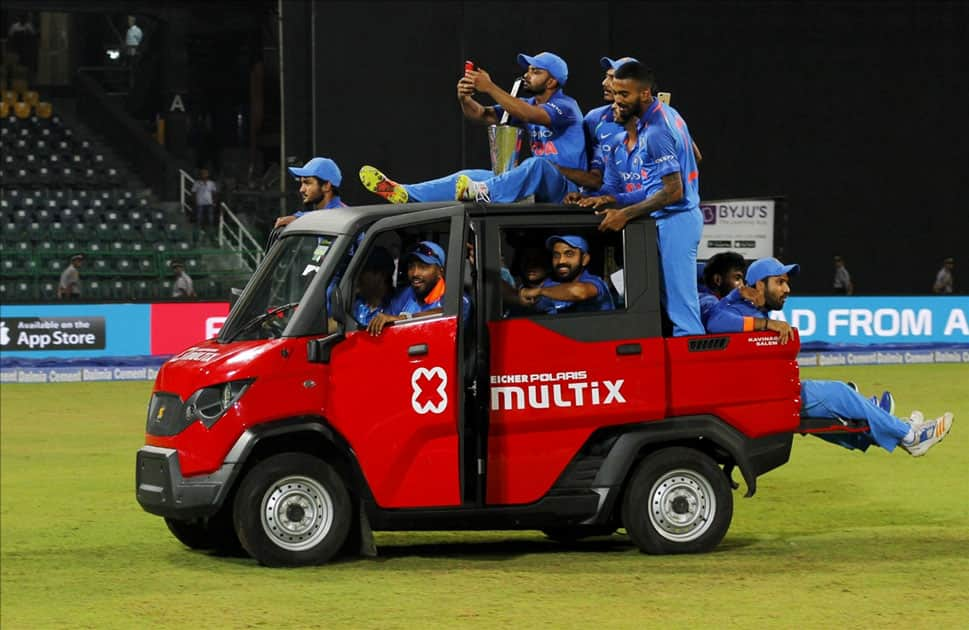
(292, 509)
(678, 501)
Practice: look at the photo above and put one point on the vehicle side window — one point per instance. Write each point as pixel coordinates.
(402, 271)
(549, 270)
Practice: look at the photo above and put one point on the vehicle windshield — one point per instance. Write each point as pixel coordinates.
(280, 284)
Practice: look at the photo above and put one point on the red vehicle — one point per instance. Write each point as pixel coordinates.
(296, 433)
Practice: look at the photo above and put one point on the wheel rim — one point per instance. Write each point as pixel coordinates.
(297, 513)
(682, 505)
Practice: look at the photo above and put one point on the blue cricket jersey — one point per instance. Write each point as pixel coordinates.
(708, 300)
(363, 312)
(407, 301)
(664, 146)
(599, 126)
(601, 302)
(334, 203)
(733, 314)
(563, 142)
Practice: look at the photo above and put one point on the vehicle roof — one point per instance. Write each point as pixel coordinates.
(349, 220)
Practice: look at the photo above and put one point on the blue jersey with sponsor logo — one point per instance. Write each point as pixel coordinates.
(664, 146)
(562, 142)
(407, 301)
(601, 302)
(599, 126)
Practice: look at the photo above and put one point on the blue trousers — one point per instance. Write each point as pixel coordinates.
(534, 176)
(442, 188)
(678, 235)
(834, 399)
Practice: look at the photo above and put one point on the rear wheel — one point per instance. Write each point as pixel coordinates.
(677, 501)
(292, 509)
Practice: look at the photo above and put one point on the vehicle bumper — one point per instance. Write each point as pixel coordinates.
(161, 489)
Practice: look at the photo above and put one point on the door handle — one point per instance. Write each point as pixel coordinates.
(417, 350)
(629, 348)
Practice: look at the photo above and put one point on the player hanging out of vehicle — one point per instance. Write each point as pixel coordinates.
(424, 294)
(571, 288)
(746, 309)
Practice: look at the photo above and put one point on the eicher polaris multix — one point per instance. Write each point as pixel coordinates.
(296, 432)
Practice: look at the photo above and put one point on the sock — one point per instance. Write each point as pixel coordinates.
(909, 437)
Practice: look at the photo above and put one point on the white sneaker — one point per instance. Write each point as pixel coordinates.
(927, 434)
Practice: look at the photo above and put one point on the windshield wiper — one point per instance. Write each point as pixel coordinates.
(261, 318)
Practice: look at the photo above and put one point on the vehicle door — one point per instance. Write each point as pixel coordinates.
(557, 378)
(397, 397)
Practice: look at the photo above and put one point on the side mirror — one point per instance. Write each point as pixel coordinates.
(337, 308)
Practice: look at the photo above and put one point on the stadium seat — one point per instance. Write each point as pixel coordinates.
(150, 233)
(36, 231)
(9, 97)
(10, 265)
(173, 232)
(4, 109)
(44, 109)
(92, 289)
(119, 289)
(55, 265)
(127, 233)
(164, 288)
(117, 246)
(80, 231)
(158, 217)
(93, 246)
(160, 246)
(58, 231)
(124, 265)
(23, 291)
(100, 265)
(146, 265)
(48, 290)
(142, 290)
(21, 110)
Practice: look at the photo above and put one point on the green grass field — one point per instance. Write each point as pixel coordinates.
(834, 538)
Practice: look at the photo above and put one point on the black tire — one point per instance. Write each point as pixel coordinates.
(292, 509)
(571, 534)
(214, 533)
(678, 500)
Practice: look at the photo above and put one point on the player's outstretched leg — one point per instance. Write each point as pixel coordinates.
(379, 184)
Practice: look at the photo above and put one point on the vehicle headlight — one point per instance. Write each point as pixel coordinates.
(208, 404)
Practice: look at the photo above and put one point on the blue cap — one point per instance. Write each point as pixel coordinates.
(428, 251)
(321, 167)
(569, 239)
(550, 62)
(767, 267)
(613, 64)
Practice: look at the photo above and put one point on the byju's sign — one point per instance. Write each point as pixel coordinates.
(52, 333)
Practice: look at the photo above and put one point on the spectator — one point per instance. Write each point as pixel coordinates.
(945, 279)
(571, 288)
(132, 38)
(22, 40)
(205, 197)
(70, 284)
(746, 309)
(553, 120)
(183, 287)
(842, 279)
